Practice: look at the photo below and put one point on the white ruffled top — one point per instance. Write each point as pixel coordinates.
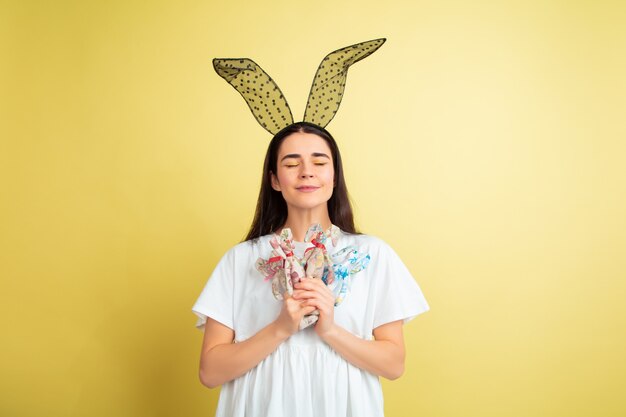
(304, 376)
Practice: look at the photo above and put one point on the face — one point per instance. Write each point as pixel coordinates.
(305, 173)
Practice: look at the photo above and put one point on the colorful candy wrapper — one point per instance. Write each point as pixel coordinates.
(285, 269)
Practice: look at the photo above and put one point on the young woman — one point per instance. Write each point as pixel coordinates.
(252, 345)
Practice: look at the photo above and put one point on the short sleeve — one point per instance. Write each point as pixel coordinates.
(216, 299)
(398, 296)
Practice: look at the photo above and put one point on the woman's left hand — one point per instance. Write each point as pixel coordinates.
(316, 293)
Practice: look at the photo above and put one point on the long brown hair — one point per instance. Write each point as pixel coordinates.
(271, 208)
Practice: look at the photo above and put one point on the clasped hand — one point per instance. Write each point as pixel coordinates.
(309, 294)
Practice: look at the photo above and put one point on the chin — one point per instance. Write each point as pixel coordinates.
(307, 205)
(307, 202)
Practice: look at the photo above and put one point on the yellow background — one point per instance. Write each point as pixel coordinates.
(485, 142)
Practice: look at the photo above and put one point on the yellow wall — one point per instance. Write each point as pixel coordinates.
(484, 141)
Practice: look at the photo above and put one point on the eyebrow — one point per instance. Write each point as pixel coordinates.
(297, 155)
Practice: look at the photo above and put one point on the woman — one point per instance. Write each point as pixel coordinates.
(253, 346)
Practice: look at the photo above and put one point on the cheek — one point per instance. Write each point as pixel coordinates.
(283, 176)
(329, 176)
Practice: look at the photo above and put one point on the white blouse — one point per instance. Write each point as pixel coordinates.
(304, 376)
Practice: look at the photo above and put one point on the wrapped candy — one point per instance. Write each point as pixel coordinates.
(285, 269)
(316, 259)
(347, 262)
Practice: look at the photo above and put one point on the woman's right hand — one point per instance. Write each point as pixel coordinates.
(291, 313)
(222, 360)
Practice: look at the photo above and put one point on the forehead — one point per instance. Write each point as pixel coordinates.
(303, 144)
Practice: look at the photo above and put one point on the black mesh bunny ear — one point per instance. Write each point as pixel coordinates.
(260, 92)
(330, 81)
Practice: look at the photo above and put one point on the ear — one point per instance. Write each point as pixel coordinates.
(274, 181)
(330, 80)
(264, 98)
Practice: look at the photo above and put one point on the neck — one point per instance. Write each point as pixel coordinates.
(299, 221)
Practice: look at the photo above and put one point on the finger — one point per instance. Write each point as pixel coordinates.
(300, 291)
(321, 303)
(317, 283)
(306, 294)
(308, 302)
(323, 293)
(307, 285)
(306, 310)
(312, 302)
(308, 307)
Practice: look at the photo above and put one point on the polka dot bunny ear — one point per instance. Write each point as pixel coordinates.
(330, 81)
(266, 101)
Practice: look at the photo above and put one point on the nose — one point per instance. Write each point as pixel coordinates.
(306, 171)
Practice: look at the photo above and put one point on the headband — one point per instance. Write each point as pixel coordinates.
(266, 101)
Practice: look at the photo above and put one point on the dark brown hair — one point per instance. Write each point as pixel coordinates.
(271, 208)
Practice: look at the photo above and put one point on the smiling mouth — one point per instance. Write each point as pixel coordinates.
(307, 189)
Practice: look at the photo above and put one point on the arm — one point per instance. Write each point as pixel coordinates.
(383, 356)
(221, 360)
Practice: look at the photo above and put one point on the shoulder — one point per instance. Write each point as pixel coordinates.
(249, 245)
(371, 242)
(381, 252)
(246, 249)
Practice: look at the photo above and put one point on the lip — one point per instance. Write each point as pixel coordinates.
(307, 189)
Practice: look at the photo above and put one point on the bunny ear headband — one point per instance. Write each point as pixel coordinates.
(266, 101)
